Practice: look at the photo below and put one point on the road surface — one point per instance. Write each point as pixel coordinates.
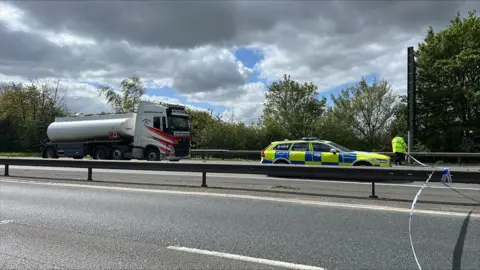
(401, 192)
(77, 225)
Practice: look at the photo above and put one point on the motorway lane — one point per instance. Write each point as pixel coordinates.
(78, 227)
(437, 192)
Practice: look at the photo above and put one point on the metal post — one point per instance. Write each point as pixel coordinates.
(373, 196)
(204, 179)
(89, 174)
(409, 146)
(6, 170)
(459, 160)
(411, 99)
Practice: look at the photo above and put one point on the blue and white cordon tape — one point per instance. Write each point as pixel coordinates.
(445, 177)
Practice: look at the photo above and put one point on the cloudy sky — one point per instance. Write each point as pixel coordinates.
(212, 54)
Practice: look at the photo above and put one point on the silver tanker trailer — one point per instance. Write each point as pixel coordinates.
(154, 132)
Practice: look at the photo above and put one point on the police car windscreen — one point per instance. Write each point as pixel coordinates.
(340, 147)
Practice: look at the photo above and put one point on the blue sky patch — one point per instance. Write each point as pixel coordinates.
(165, 92)
(248, 56)
(335, 91)
(94, 84)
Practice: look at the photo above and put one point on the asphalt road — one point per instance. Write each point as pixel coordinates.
(462, 194)
(45, 225)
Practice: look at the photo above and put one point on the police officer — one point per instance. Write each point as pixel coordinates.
(399, 148)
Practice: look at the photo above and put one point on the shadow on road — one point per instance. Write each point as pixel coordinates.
(458, 252)
(466, 196)
(320, 179)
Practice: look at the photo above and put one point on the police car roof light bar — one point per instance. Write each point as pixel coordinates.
(310, 138)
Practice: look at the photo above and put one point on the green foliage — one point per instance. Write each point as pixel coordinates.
(212, 132)
(448, 83)
(292, 109)
(362, 115)
(131, 91)
(29, 109)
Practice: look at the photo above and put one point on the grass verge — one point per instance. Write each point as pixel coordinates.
(19, 154)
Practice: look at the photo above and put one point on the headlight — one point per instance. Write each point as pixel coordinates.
(382, 160)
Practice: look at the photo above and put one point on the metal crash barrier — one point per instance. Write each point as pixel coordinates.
(319, 173)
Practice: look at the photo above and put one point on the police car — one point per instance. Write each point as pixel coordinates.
(312, 151)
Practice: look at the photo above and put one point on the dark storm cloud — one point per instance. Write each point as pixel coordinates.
(175, 24)
(347, 24)
(187, 24)
(23, 54)
(315, 39)
(208, 76)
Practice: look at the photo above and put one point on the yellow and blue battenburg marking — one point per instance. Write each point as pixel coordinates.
(312, 158)
(327, 158)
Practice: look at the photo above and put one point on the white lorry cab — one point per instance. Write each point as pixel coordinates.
(153, 132)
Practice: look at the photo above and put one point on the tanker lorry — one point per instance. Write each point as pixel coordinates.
(153, 132)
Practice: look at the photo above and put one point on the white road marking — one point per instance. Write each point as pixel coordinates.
(245, 258)
(219, 175)
(249, 197)
(5, 221)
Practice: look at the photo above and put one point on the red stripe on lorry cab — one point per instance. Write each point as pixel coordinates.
(161, 148)
(168, 136)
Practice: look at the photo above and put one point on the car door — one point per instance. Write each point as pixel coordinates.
(279, 152)
(153, 134)
(323, 156)
(298, 152)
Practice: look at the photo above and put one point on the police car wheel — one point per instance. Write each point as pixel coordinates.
(363, 163)
(280, 162)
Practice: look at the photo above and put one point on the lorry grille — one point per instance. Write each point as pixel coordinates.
(182, 148)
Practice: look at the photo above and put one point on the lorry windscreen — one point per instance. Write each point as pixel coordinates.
(178, 123)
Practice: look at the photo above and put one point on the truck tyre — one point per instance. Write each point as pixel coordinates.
(117, 154)
(100, 153)
(152, 154)
(50, 152)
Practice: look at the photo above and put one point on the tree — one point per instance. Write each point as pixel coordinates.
(5, 136)
(448, 83)
(366, 111)
(292, 109)
(131, 92)
(29, 109)
(399, 125)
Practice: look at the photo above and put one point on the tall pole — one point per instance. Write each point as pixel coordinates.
(411, 97)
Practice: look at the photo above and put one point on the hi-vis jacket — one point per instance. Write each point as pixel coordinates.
(399, 145)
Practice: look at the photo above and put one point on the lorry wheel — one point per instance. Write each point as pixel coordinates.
(100, 153)
(152, 154)
(117, 154)
(50, 152)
